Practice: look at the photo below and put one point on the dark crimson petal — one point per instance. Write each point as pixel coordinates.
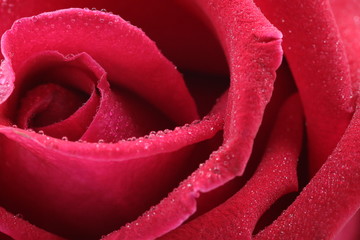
(252, 46)
(134, 62)
(74, 127)
(79, 75)
(347, 17)
(47, 104)
(275, 176)
(330, 199)
(318, 61)
(17, 228)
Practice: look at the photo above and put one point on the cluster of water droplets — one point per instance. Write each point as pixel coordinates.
(144, 141)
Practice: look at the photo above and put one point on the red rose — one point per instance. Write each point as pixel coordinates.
(101, 135)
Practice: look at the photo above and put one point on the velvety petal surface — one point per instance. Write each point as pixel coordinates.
(275, 176)
(178, 33)
(253, 52)
(44, 88)
(75, 31)
(17, 228)
(348, 21)
(86, 186)
(330, 199)
(318, 61)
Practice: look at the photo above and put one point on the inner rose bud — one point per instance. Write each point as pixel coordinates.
(69, 97)
(91, 188)
(47, 104)
(102, 152)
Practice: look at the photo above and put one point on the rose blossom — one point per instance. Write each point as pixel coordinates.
(102, 135)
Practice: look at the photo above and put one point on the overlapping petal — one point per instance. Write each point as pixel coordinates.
(330, 199)
(318, 62)
(275, 176)
(253, 51)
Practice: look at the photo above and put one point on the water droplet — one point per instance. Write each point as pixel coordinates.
(94, 9)
(73, 20)
(216, 170)
(102, 20)
(110, 23)
(68, 26)
(81, 13)
(196, 122)
(41, 132)
(34, 18)
(14, 126)
(64, 138)
(103, 10)
(101, 141)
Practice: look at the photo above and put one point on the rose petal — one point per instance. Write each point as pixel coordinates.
(188, 42)
(330, 199)
(275, 176)
(284, 87)
(85, 192)
(253, 51)
(346, 13)
(17, 228)
(318, 61)
(134, 62)
(121, 115)
(73, 73)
